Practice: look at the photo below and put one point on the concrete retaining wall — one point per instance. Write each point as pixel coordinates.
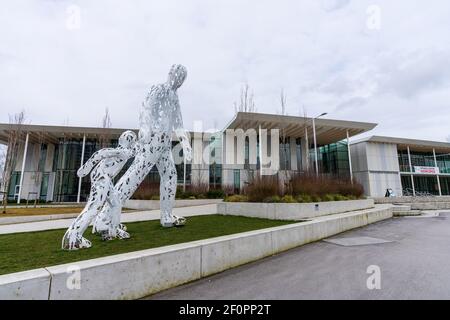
(292, 211)
(419, 203)
(154, 204)
(138, 274)
(408, 200)
(27, 285)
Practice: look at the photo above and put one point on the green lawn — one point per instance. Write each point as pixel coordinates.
(31, 250)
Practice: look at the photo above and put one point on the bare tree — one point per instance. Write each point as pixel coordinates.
(304, 112)
(15, 135)
(105, 136)
(246, 102)
(2, 163)
(283, 103)
(284, 138)
(448, 138)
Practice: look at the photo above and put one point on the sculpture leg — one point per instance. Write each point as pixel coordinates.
(73, 238)
(168, 189)
(108, 220)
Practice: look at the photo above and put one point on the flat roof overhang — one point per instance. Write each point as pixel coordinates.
(327, 131)
(413, 144)
(53, 134)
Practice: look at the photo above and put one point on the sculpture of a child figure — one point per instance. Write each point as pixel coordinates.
(104, 165)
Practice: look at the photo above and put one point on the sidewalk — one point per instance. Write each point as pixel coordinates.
(126, 218)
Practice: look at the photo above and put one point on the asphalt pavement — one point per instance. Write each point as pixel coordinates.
(412, 262)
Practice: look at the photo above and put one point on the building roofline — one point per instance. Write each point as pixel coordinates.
(415, 143)
(51, 133)
(328, 130)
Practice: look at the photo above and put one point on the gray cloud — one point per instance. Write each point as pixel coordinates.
(320, 52)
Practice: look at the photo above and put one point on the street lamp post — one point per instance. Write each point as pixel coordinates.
(315, 142)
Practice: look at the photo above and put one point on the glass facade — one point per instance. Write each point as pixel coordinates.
(422, 159)
(427, 184)
(443, 162)
(298, 151)
(333, 159)
(445, 185)
(66, 162)
(13, 182)
(285, 154)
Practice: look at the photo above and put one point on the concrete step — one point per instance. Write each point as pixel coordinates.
(407, 213)
(401, 208)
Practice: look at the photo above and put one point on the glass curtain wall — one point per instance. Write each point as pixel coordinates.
(66, 162)
(333, 159)
(421, 159)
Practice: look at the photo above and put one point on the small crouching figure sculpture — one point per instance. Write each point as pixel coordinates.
(104, 165)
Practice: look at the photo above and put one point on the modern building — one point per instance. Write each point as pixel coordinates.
(407, 166)
(48, 156)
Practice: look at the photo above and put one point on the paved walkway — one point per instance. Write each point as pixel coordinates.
(414, 264)
(126, 217)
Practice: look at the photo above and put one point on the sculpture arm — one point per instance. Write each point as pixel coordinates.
(182, 134)
(99, 156)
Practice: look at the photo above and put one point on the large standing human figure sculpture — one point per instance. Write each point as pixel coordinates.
(104, 165)
(159, 118)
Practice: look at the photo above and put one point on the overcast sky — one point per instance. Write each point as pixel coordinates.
(387, 62)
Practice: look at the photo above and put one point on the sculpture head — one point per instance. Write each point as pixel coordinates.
(127, 139)
(177, 75)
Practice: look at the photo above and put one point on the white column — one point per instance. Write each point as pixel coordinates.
(81, 164)
(184, 174)
(23, 167)
(437, 174)
(315, 146)
(349, 157)
(260, 152)
(411, 171)
(307, 149)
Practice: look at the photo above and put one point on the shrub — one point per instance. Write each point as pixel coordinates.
(288, 199)
(155, 197)
(198, 188)
(215, 194)
(304, 198)
(228, 190)
(339, 197)
(315, 198)
(324, 185)
(328, 197)
(262, 188)
(272, 199)
(146, 191)
(236, 198)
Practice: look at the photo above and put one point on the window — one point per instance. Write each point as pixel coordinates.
(285, 154)
(298, 150)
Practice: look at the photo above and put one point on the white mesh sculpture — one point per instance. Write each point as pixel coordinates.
(159, 118)
(104, 165)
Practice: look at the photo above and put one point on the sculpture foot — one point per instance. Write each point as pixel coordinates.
(175, 222)
(119, 234)
(122, 234)
(72, 242)
(105, 235)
